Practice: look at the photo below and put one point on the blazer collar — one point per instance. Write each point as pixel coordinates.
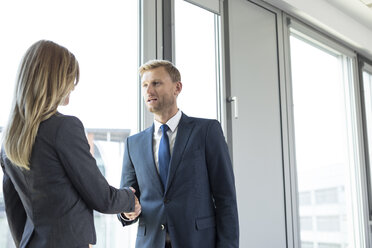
(149, 159)
(183, 134)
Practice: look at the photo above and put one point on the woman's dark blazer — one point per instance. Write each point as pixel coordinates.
(51, 205)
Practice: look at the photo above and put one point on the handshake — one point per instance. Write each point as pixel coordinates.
(137, 209)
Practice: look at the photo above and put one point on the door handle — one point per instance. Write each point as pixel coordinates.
(235, 100)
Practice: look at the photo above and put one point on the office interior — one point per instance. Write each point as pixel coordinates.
(290, 82)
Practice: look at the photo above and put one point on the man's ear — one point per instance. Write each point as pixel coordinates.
(178, 88)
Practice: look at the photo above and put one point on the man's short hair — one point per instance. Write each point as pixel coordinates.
(168, 66)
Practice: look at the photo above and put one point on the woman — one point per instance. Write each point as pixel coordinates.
(51, 181)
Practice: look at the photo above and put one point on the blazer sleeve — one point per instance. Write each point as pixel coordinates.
(15, 212)
(222, 182)
(128, 179)
(74, 152)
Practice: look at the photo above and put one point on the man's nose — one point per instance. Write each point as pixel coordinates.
(149, 89)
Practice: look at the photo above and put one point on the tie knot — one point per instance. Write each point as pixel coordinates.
(164, 128)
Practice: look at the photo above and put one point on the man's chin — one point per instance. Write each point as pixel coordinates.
(151, 109)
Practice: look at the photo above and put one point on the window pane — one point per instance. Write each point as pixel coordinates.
(325, 151)
(195, 49)
(103, 37)
(329, 245)
(328, 223)
(307, 245)
(326, 196)
(304, 198)
(306, 223)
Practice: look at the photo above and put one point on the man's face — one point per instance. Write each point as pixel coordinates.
(159, 92)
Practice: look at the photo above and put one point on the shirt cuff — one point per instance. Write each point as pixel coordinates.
(122, 216)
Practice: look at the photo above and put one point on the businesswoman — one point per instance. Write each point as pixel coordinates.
(51, 181)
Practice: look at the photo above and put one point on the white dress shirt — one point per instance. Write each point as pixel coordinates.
(172, 133)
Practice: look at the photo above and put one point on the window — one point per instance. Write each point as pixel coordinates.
(304, 198)
(328, 223)
(325, 131)
(103, 37)
(329, 245)
(197, 58)
(306, 223)
(326, 196)
(307, 245)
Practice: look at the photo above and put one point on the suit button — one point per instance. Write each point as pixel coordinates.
(162, 226)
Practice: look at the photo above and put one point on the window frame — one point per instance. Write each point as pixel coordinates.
(322, 41)
(365, 65)
(158, 42)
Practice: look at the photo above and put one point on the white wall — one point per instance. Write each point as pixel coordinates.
(335, 18)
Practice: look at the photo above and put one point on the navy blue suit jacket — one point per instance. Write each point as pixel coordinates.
(198, 207)
(51, 205)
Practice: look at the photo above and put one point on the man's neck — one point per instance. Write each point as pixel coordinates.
(164, 117)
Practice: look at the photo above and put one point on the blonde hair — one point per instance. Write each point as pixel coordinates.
(168, 66)
(47, 74)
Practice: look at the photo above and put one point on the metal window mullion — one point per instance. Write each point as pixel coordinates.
(220, 103)
(364, 164)
(168, 30)
(150, 12)
(222, 96)
(289, 146)
(355, 137)
(363, 65)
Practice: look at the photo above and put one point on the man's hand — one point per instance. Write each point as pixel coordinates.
(137, 209)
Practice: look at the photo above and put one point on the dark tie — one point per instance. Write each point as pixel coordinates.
(164, 155)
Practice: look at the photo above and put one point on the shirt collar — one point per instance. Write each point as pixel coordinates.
(172, 122)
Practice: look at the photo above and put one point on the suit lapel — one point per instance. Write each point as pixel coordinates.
(151, 169)
(183, 134)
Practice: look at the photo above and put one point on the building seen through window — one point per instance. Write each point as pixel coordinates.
(329, 211)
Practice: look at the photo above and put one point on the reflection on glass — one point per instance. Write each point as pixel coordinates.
(104, 40)
(195, 49)
(324, 147)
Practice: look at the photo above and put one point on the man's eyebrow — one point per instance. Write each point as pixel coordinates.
(152, 80)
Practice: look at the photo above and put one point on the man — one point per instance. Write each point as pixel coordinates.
(184, 178)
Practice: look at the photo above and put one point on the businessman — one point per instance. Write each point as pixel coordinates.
(181, 172)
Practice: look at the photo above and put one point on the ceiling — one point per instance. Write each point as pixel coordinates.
(360, 10)
(367, 2)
